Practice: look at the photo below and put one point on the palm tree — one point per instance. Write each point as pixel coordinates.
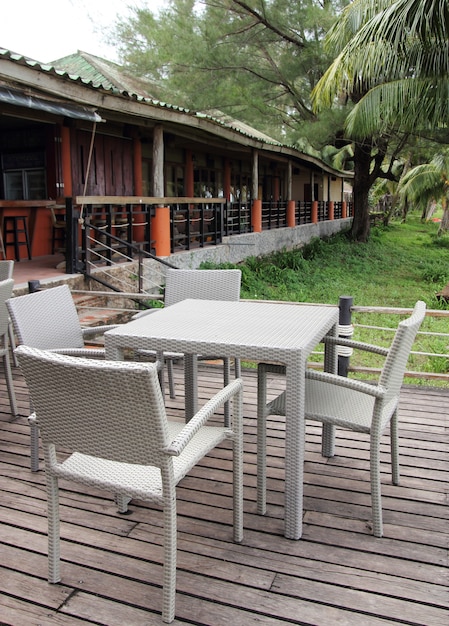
(428, 183)
(392, 65)
(401, 56)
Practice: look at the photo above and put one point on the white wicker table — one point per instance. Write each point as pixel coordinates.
(259, 331)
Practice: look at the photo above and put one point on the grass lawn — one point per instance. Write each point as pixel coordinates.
(401, 263)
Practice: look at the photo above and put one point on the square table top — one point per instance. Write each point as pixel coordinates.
(254, 329)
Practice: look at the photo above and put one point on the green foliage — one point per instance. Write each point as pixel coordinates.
(441, 242)
(255, 61)
(435, 273)
(401, 263)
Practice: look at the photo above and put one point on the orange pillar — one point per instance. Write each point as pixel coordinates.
(291, 221)
(344, 210)
(331, 210)
(256, 216)
(161, 230)
(315, 212)
(66, 162)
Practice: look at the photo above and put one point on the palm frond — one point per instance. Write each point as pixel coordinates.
(406, 105)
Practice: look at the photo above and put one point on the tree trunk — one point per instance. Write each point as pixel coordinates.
(360, 192)
(444, 224)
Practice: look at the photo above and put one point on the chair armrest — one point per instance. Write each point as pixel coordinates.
(140, 314)
(359, 345)
(89, 353)
(235, 388)
(376, 391)
(97, 330)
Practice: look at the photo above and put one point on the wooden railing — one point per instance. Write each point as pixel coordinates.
(429, 358)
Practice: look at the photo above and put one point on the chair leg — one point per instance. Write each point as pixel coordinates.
(122, 503)
(170, 547)
(54, 575)
(328, 440)
(261, 440)
(9, 381)
(394, 443)
(12, 343)
(226, 380)
(376, 500)
(237, 467)
(34, 447)
(171, 382)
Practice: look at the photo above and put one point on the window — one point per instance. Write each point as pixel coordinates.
(24, 176)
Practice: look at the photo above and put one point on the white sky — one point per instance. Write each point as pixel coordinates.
(46, 30)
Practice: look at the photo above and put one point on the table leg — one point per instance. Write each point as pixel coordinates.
(294, 448)
(191, 385)
(113, 353)
(330, 365)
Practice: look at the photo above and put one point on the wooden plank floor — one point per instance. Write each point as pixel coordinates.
(337, 574)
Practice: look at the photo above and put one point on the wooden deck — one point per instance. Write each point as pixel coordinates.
(337, 574)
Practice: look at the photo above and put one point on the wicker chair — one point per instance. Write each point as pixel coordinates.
(6, 287)
(110, 416)
(198, 285)
(49, 320)
(353, 404)
(6, 271)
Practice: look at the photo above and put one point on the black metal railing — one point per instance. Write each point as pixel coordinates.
(106, 230)
(195, 225)
(237, 218)
(274, 214)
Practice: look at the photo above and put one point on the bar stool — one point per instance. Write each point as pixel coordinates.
(58, 231)
(2, 247)
(15, 226)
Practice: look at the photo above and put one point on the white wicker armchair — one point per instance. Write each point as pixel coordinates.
(7, 271)
(6, 287)
(48, 319)
(353, 404)
(199, 285)
(110, 416)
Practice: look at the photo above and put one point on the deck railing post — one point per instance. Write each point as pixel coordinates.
(71, 238)
(345, 329)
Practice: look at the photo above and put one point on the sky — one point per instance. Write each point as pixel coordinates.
(46, 30)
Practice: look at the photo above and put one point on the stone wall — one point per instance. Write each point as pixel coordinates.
(239, 247)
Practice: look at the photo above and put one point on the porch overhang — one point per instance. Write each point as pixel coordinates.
(21, 99)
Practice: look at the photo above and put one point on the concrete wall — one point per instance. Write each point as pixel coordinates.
(239, 247)
(233, 250)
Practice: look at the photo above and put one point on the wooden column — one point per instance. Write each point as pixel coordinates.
(227, 180)
(161, 220)
(289, 180)
(137, 162)
(315, 212)
(66, 162)
(189, 178)
(158, 161)
(255, 176)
